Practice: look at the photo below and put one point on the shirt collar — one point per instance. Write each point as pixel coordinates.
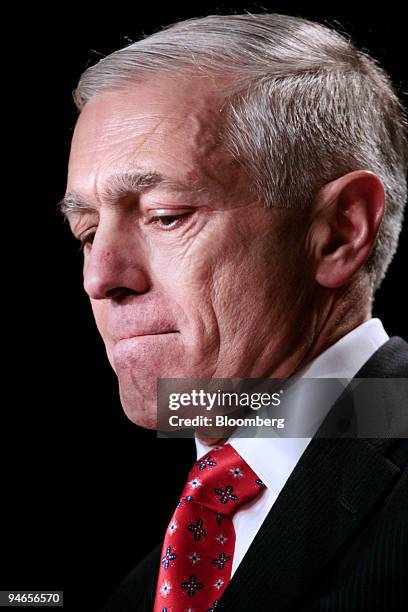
(346, 356)
(341, 360)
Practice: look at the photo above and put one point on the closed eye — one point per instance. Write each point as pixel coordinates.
(163, 222)
(85, 240)
(169, 222)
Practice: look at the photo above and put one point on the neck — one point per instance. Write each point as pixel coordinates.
(342, 314)
(342, 311)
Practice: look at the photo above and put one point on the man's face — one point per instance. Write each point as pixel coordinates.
(188, 277)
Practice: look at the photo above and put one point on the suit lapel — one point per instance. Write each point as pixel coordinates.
(333, 487)
(326, 499)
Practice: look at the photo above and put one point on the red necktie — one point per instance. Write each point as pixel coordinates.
(198, 548)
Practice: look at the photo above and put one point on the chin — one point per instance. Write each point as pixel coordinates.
(142, 412)
(145, 417)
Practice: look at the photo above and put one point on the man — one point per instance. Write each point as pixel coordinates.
(238, 184)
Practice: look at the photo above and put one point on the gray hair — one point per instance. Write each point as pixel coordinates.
(305, 106)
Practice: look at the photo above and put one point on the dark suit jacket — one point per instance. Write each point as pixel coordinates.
(336, 539)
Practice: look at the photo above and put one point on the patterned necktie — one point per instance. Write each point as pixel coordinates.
(198, 548)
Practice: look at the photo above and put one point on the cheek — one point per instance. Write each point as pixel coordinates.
(253, 281)
(184, 273)
(99, 309)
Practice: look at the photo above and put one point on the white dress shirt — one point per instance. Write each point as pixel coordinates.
(274, 458)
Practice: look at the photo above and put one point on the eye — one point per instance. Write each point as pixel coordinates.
(86, 240)
(169, 222)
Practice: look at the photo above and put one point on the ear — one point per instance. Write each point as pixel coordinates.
(346, 217)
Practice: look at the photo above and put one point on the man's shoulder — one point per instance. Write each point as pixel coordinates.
(373, 405)
(390, 360)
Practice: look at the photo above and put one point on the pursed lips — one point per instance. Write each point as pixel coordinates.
(145, 333)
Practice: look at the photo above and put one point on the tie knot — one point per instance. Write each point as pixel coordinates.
(222, 481)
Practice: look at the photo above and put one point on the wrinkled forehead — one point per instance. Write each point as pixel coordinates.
(167, 124)
(179, 107)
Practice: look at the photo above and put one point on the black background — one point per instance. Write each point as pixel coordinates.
(86, 494)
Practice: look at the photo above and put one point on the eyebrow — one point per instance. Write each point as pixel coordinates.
(121, 185)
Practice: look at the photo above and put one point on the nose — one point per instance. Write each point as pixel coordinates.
(114, 265)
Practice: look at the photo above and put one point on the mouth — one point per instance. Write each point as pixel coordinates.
(148, 334)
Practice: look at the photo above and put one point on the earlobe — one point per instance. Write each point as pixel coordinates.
(346, 220)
